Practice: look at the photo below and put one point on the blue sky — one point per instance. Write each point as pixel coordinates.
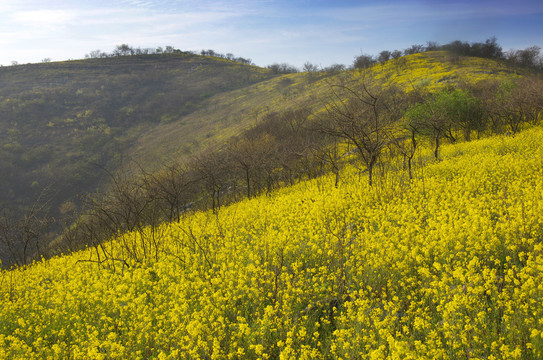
(266, 31)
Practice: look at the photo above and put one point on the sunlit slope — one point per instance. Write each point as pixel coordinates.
(437, 69)
(447, 266)
(228, 113)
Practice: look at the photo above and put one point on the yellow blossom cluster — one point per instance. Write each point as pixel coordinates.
(446, 266)
(436, 69)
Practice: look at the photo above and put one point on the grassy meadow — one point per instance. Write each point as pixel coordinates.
(448, 265)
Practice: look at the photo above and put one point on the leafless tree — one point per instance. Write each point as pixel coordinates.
(282, 68)
(396, 54)
(310, 67)
(363, 61)
(22, 238)
(123, 50)
(173, 187)
(362, 114)
(414, 49)
(529, 57)
(405, 141)
(252, 156)
(211, 168)
(384, 56)
(335, 68)
(330, 156)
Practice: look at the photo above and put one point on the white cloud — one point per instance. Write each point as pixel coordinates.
(43, 17)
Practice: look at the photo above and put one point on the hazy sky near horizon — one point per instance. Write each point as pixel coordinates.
(266, 31)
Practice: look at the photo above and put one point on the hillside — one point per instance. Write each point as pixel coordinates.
(187, 131)
(228, 113)
(447, 265)
(58, 121)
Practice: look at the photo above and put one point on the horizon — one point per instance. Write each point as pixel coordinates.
(267, 32)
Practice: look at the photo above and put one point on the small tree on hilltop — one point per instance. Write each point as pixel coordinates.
(363, 61)
(384, 56)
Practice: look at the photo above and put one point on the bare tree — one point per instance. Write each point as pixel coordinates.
(331, 158)
(123, 50)
(282, 68)
(414, 49)
(432, 46)
(396, 54)
(406, 143)
(519, 102)
(129, 208)
(363, 114)
(96, 54)
(251, 156)
(533, 90)
(309, 67)
(528, 57)
(173, 187)
(485, 91)
(211, 168)
(22, 238)
(335, 68)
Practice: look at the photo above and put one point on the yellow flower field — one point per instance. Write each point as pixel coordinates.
(447, 266)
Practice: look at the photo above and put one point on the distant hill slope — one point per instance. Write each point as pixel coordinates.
(57, 120)
(227, 113)
(60, 121)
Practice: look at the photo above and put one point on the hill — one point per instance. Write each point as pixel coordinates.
(59, 120)
(229, 113)
(69, 126)
(445, 265)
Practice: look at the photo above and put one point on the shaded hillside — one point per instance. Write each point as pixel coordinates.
(59, 120)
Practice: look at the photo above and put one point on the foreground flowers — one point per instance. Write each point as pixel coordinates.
(447, 266)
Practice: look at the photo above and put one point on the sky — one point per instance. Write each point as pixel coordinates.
(265, 31)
